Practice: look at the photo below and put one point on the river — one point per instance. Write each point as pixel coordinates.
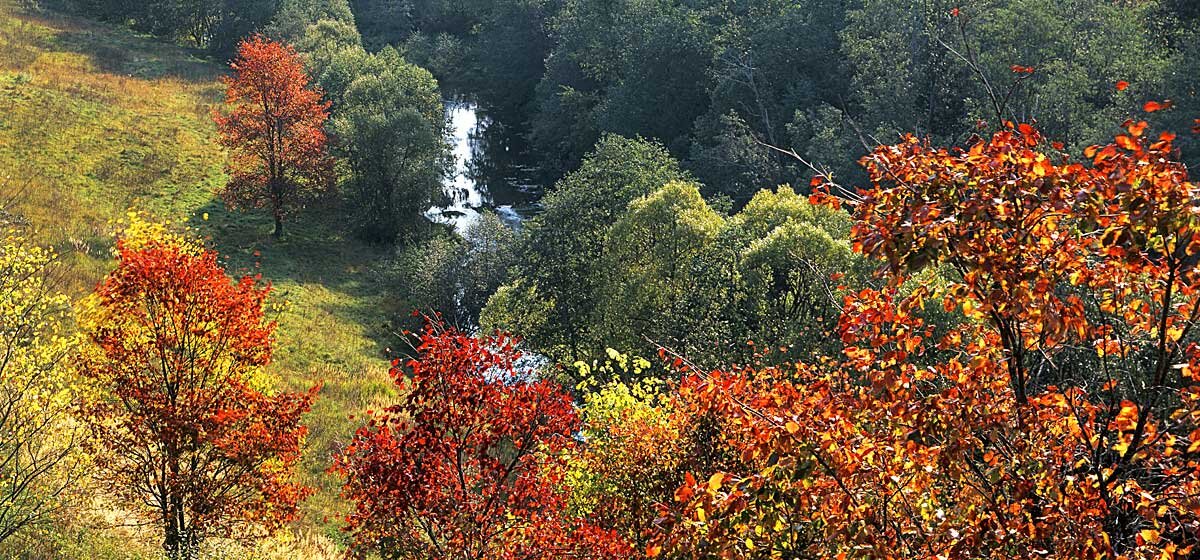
(491, 171)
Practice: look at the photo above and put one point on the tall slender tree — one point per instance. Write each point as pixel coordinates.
(275, 131)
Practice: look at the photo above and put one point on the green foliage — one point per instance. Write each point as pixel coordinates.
(771, 209)
(448, 57)
(789, 296)
(391, 129)
(383, 22)
(764, 285)
(648, 282)
(294, 17)
(564, 249)
(512, 43)
(660, 87)
(431, 269)
(516, 307)
(324, 40)
(215, 25)
(727, 156)
(491, 248)
(456, 276)
(906, 78)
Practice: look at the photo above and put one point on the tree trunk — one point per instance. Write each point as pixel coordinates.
(276, 187)
(177, 543)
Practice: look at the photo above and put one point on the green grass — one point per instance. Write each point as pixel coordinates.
(95, 121)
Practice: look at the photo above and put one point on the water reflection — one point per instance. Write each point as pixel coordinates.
(491, 171)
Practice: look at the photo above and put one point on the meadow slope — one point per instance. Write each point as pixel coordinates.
(96, 121)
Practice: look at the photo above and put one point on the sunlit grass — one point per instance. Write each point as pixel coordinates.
(96, 120)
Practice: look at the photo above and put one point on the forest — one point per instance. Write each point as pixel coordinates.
(599, 279)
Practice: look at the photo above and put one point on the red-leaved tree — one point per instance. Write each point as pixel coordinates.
(1060, 416)
(470, 464)
(189, 437)
(275, 130)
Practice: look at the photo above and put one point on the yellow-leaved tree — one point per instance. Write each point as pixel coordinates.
(40, 460)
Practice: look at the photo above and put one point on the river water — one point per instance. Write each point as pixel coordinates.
(491, 171)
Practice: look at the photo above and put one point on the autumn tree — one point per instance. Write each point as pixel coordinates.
(470, 464)
(1058, 419)
(274, 129)
(191, 438)
(638, 445)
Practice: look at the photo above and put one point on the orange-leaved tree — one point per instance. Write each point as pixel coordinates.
(190, 438)
(470, 464)
(1059, 419)
(275, 130)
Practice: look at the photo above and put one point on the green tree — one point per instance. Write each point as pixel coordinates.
(392, 129)
(455, 276)
(729, 159)
(512, 42)
(491, 247)
(214, 25)
(663, 75)
(293, 17)
(649, 281)
(385, 22)
(563, 252)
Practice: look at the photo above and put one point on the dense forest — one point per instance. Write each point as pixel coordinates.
(797, 279)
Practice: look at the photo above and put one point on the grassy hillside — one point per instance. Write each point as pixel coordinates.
(95, 121)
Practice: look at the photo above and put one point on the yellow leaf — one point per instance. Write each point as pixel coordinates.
(714, 482)
(1174, 333)
(1148, 535)
(792, 427)
(969, 307)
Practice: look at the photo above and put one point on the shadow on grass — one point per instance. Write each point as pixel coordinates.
(318, 250)
(339, 294)
(121, 51)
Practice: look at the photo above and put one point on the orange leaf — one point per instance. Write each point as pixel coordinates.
(1152, 106)
(1042, 167)
(1126, 142)
(1121, 85)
